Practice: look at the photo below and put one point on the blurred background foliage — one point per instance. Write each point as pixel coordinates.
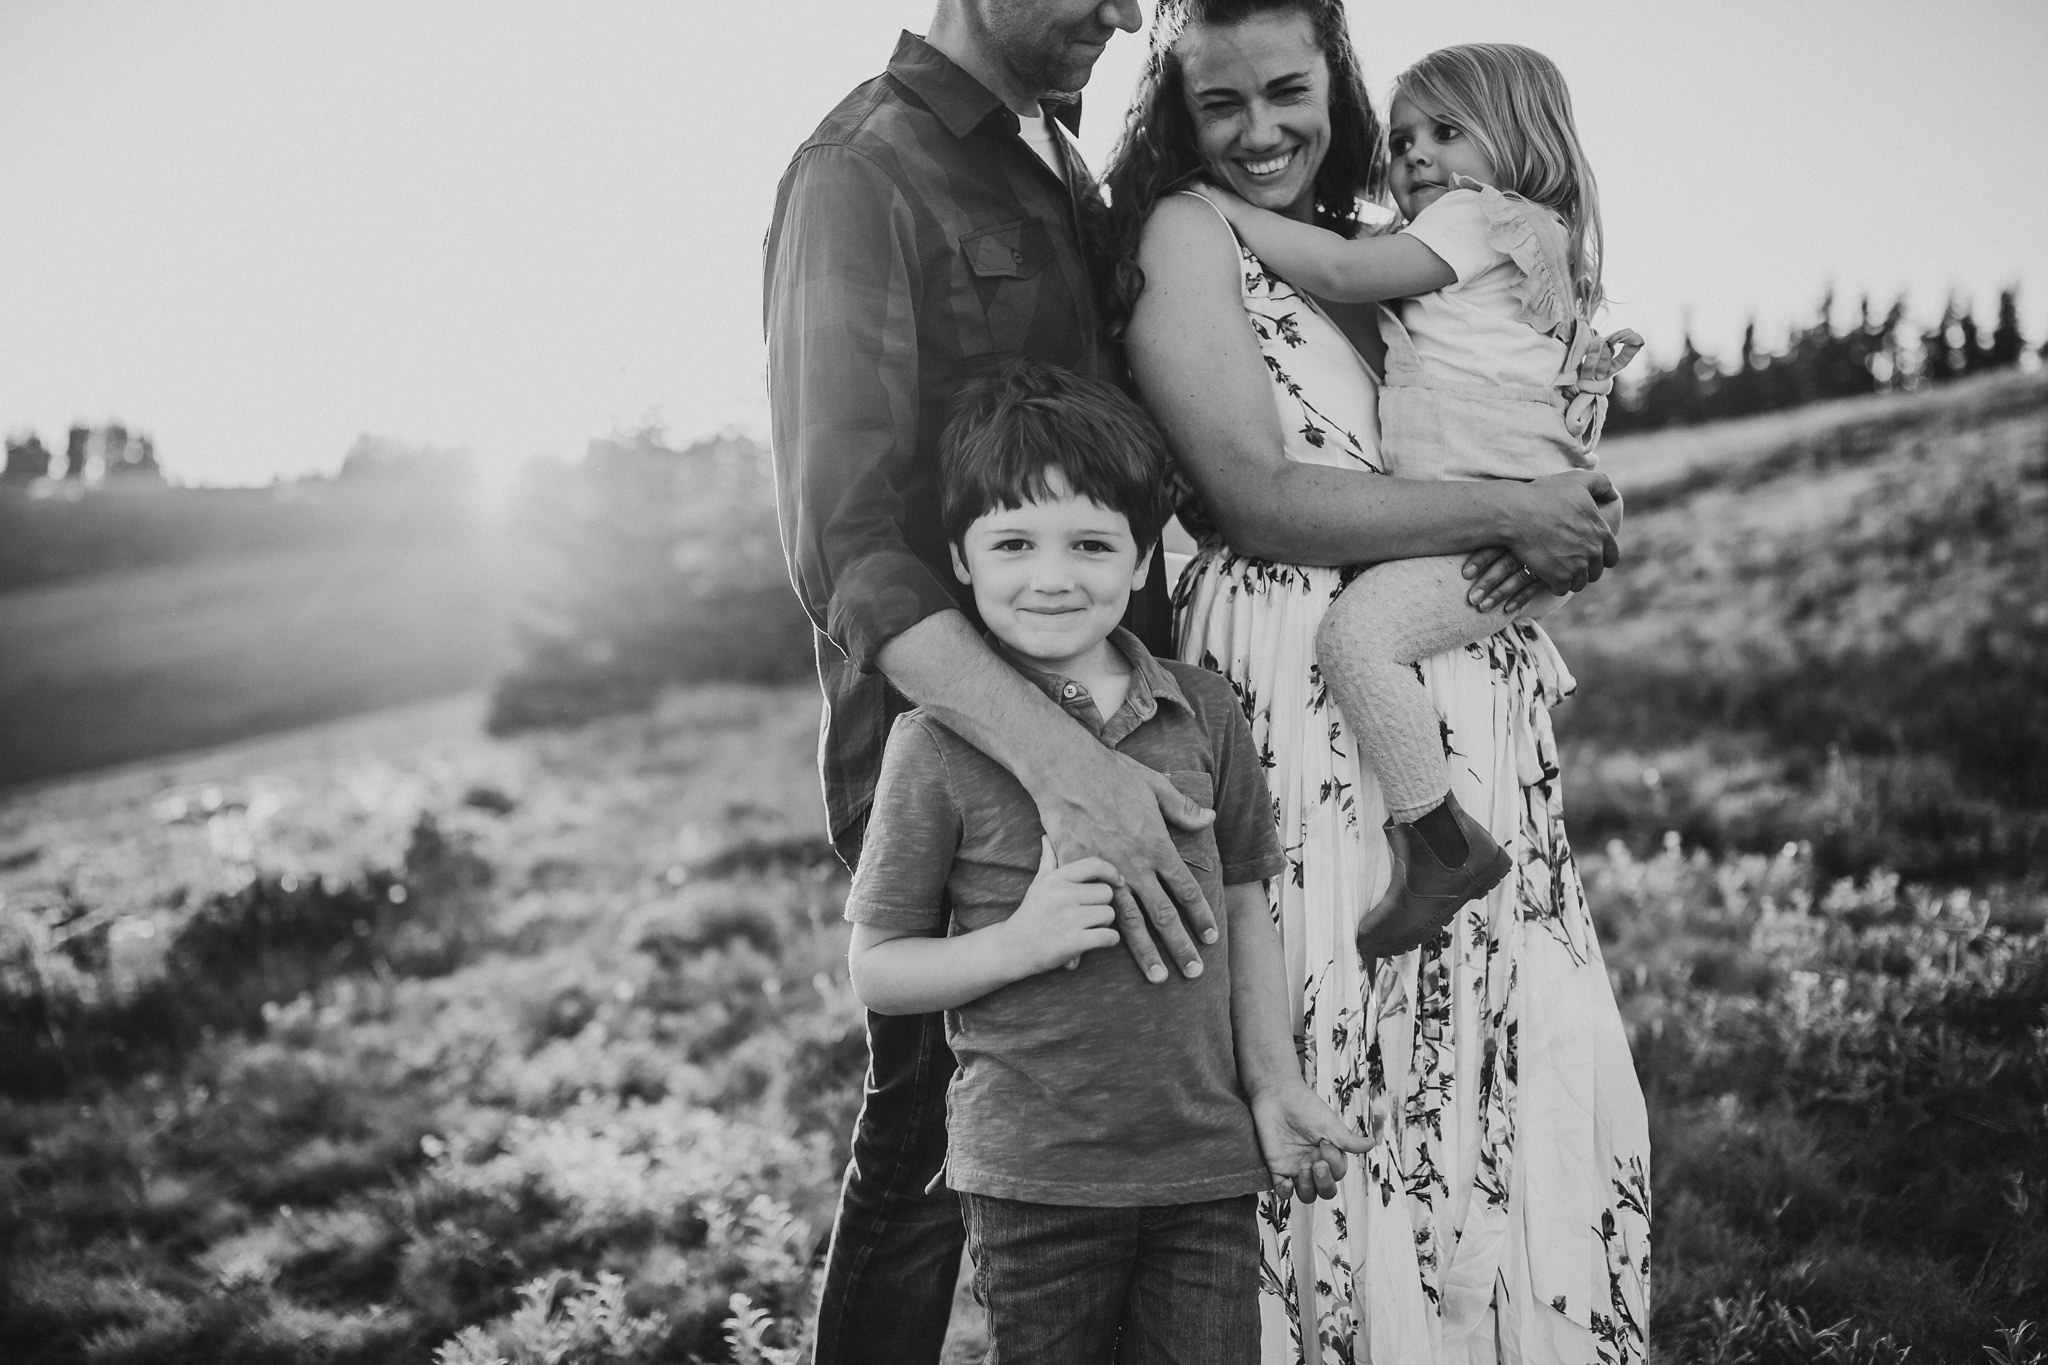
(654, 566)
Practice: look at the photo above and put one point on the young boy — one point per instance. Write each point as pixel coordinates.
(1103, 1145)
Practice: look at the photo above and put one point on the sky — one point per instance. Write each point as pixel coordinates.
(258, 228)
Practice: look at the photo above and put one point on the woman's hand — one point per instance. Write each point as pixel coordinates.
(1502, 583)
(1558, 531)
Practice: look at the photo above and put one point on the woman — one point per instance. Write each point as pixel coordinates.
(1502, 1213)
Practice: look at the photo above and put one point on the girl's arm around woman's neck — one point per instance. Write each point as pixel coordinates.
(1198, 367)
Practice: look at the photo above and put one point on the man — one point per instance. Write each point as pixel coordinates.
(926, 233)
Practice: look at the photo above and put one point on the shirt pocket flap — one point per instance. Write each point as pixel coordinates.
(1014, 250)
(1197, 847)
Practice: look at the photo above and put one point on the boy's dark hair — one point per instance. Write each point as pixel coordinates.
(1007, 430)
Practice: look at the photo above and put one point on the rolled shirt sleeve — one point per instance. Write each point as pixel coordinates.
(843, 285)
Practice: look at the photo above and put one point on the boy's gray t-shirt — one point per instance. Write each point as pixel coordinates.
(1093, 1086)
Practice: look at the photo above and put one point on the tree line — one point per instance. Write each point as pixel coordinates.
(1876, 353)
(107, 452)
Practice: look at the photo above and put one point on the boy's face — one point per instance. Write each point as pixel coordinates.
(1051, 578)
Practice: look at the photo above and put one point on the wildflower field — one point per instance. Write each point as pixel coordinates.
(390, 1041)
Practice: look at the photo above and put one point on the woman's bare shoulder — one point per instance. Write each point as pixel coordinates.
(1186, 232)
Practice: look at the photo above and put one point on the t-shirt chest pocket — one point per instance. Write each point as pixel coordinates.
(1196, 847)
(1004, 267)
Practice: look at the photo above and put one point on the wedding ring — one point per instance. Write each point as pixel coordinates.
(1526, 572)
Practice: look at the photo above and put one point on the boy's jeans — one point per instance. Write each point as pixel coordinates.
(1176, 1284)
(895, 1249)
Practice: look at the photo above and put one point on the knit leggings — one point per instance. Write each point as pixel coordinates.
(1391, 617)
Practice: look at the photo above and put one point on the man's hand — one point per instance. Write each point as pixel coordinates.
(1065, 914)
(1303, 1141)
(1110, 807)
(1092, 801)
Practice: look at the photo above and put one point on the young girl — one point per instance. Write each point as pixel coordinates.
(1498, 259)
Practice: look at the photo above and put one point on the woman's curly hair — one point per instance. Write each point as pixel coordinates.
(1158, 154)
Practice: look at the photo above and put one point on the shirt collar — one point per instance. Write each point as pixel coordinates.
(960, 101)
(1151, 684)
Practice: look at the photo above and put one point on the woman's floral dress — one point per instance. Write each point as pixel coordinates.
(1503, 1211)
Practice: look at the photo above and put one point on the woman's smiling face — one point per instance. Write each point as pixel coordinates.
(1259, 94)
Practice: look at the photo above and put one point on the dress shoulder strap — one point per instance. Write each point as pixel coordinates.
(1197, 194)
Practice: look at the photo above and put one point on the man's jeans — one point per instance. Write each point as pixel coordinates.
(895, 1250)
(1176, 1284)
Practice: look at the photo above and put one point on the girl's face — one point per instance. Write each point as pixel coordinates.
(1259, 95)
(1427, 151)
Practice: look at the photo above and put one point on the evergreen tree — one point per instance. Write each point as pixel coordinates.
(1893, 364)
(27, 460)
(76, 442)
(1743, 391)
(2007, 345)
(1973, 354)
(657, 565)
(1940, 359)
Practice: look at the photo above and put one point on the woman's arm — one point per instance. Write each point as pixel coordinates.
(1349, 270)
(1198, 367)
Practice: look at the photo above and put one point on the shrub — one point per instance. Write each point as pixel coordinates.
(64, 1014)
(1849, 1091)
(562, 1320)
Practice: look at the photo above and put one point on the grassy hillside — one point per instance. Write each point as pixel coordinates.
(1829, 627)
(321, 1048)
(379, 598)
(385, 1041)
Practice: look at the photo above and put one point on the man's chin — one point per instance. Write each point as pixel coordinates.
(1065, 81)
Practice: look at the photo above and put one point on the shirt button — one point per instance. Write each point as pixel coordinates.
(1071, 691)
(1017, 257)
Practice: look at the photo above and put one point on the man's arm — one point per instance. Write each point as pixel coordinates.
(843, 278)
(842, 281)
(1093, 801)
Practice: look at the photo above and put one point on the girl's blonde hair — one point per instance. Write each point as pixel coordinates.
(1512, 102)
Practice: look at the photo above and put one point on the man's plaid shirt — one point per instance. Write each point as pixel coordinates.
(917, 243)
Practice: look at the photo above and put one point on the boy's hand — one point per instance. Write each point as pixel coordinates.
(1064, 914)
(1303, 1141)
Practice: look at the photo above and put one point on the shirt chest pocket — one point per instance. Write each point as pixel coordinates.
(1002, 271)
(1196, 847)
